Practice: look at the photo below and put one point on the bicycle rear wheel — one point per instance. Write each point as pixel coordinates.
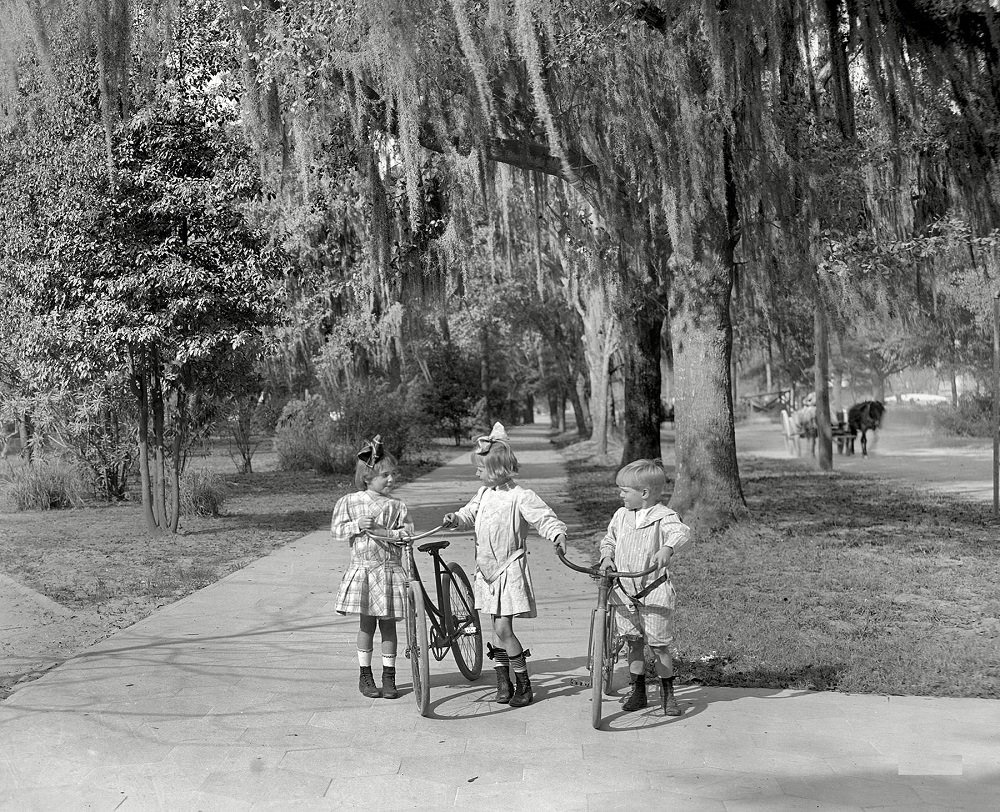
(458, 606)
(598, 656)
(416, 646)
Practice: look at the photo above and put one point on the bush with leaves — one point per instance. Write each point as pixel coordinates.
(203, 492)
(972, 418)
(449, 398)
(46, 484)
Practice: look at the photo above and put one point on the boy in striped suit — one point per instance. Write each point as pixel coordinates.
(644, 532)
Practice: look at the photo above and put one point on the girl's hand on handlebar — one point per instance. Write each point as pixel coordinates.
(366, 523)
(450, 521)
(559, 543)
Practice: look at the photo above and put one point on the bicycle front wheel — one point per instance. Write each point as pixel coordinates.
(458, 606)
(598, 657)
(416, 646)
(612, 648)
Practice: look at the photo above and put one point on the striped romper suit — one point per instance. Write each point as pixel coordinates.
(633, 538)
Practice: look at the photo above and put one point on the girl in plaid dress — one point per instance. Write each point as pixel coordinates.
(501, 512)
(644, 532)
(374, 584)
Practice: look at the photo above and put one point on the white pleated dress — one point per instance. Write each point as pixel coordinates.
(501, 517)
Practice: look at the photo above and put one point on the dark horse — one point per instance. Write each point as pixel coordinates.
(864, 417)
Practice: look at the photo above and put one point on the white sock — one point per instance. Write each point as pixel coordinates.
(388, 660)
(364, 658)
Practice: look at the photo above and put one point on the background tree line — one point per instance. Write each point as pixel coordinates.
(454, 210)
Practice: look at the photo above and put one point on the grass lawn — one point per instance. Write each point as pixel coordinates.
(839, 582)
(101, 562)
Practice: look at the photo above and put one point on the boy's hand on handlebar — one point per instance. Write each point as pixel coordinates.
(662, 557)
(559, 543)
(450, 521)
(607, 564)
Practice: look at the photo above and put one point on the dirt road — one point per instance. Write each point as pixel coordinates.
(903, 451)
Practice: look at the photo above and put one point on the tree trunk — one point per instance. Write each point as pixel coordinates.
(175, 486)
(159, 463)
(553, 399)
(582, 430)
(824, 436)
(584, 426)
(25, 430)
(707, 491)
(601, 337)
(641, 348)
(140, 389)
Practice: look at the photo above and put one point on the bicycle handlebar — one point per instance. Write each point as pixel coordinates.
(402, 540)
(597, 572)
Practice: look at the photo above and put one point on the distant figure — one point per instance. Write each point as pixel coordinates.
(803, 423)
(864, 417)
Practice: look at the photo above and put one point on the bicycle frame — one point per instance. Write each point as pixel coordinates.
(442, 637)
(600, 656)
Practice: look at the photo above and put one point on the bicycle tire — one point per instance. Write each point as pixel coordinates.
(416, 641)
(598, 655)
(612, 648)
(467, 646)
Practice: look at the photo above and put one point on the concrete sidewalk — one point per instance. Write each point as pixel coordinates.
(244, 696)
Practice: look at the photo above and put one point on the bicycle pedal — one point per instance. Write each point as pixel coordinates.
(583, 683)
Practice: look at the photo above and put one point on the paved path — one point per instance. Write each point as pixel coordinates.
(244, 696)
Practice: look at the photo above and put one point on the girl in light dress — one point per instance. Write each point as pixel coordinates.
(501, 512)
(374, 584)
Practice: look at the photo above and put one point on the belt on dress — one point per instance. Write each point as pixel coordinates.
(638, 596)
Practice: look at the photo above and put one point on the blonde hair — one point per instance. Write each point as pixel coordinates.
(499, 462)
(643, 474)
(365, 473)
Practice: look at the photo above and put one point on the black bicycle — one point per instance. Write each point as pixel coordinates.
(454, 621)
(605, 644)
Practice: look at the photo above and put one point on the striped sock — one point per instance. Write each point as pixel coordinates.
(518, 663)
(498, 655)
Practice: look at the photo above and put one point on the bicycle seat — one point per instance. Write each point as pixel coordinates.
(433, 545)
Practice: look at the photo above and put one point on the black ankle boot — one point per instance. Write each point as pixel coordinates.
(366, 683)
(505, 688)
(637, 699)
(389, 682)
(667, 701)
(522, 693)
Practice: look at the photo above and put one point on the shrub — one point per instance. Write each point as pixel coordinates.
(45, 485)
(325, 435)
(449, 401)
(203, 493)
(371, 408)
(305, 437)
(972, 418)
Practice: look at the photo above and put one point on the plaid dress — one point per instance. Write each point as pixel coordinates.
(501, 516)
(374, 583)
(631, 542)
